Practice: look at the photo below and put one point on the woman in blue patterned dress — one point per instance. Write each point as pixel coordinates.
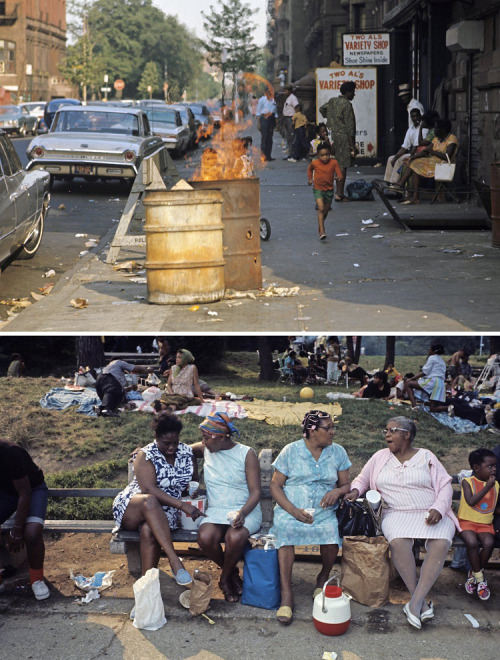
(151, 502)
(231, 473)
(310, 474)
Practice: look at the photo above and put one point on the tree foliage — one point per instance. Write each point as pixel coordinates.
(150, 80)
(230, 27)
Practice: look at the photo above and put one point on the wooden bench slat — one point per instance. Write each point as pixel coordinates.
(84, 492)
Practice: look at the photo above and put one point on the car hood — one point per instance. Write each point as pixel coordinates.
(7, 116)
(78, 141)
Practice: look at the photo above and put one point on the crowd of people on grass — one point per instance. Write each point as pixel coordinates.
(310, 482)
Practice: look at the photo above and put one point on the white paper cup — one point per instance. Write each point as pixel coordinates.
(310, 512)
(193, 487)
(373, 498)
(231, 516)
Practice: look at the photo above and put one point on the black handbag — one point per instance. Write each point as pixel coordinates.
(355, 520)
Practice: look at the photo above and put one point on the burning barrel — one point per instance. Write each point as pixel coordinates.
(241, 233)
(184, 260)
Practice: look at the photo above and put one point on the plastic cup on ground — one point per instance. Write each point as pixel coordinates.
(373, 498)
(193, 487)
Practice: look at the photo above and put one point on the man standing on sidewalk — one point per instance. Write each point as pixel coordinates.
(288, 111)
(266, 117)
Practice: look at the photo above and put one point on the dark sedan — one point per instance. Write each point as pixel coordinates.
(24, 202)
(53, 106)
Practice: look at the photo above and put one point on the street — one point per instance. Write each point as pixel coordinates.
(379, 277)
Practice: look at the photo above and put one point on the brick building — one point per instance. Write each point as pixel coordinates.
(32, 43)
(456, 71)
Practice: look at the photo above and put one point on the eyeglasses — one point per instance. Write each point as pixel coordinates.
(393, 429)
(328, 429)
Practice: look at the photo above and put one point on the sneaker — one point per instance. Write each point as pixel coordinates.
(292, 160)
(482, 591)
(182, 577)
(40, 589)
(470, 584)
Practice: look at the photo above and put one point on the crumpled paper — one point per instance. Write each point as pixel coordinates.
(98, 582)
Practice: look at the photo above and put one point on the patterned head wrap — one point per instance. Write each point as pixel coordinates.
(311, 420)
(186, 358)
(220, 424)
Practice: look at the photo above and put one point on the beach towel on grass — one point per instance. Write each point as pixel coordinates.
(59, 398)
(282, 413)
(458, 424)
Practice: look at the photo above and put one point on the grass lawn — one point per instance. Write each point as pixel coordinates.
(79, 451)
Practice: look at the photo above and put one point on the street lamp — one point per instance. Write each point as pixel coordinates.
(223, 59)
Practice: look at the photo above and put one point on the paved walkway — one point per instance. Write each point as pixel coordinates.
(361, 279)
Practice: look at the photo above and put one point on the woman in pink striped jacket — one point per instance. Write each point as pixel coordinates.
(417, 491)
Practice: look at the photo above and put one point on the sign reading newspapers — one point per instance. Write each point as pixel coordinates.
(366, 49)
(328, 82)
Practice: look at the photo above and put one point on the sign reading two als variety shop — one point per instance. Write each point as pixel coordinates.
(366, 49)
(328, 82)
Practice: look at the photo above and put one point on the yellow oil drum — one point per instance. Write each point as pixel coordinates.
(184, 261)
(241, 233)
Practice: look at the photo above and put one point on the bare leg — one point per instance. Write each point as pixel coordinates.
(322, 213)
(488, 542)
(146, 508)
(234, 542)
(341, 183)
(437, 406)
(286, 557)
(437, 549)
(210, 537)
(149, 547)
(414, 185)
(328, 556)
(35, 547)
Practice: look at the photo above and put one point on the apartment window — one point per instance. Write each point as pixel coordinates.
(2, 8)
(7, 56)
(359, 17)
(337, 45)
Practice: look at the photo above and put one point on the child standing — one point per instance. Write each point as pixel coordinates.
(477, 507)
(321, 136)
(322, 171)
(300, 144)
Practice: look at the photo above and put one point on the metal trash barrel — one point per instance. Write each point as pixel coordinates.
(184, 262)
(495, 204)
(241, 233)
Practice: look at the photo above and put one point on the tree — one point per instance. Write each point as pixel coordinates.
(89, 352)
(150, 80)
(230, 29)
(390, 351)
(494, 345)
(353, 348)
(266, 367)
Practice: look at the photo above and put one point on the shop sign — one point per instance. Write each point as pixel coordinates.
(366, 49)
(328, 82)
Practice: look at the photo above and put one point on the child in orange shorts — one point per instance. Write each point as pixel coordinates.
(478, 505)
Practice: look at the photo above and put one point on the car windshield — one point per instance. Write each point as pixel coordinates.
(9, 110)
(32, 107)
(161, 116)
(90, 121)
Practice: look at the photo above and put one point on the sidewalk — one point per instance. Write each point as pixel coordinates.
(361, 279)
(63, 628)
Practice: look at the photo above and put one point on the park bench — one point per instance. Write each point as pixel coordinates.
(127, 542)
(134, 358)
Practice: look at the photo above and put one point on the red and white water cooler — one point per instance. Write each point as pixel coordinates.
(332, 609)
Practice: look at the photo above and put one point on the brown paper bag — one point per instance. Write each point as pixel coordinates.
(366, 569)
(201, 592)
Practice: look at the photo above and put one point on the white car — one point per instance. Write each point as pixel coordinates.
(94, 142)
(24, 203)
(167, 123)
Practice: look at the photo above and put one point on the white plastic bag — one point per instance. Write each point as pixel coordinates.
(149, 609)
(444, 171)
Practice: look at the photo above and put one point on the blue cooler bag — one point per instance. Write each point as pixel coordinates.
(261, 578)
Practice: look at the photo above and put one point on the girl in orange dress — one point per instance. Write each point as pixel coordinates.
(424, 163)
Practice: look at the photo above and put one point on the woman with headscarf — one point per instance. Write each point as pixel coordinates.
(232, 477)
(417, 492)
(341, 121)
(183, 388)
(310, 477)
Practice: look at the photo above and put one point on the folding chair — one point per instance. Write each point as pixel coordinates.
(284, 376)
(444, 187)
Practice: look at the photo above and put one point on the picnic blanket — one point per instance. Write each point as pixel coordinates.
(458, 424)
(59, 398)
(282, 413)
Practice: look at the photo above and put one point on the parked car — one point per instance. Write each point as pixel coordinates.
(94, 142)
(16, 119)
(202, 114)
(189, 121)
(167, 123)
(53, 106)
(24, 203)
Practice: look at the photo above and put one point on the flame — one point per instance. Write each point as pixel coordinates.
(253, 80)
(230, 156)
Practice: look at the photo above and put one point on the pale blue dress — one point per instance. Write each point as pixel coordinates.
(227, 488)
(307, 482)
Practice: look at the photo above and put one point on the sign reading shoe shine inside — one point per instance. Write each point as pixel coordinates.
(366, 49)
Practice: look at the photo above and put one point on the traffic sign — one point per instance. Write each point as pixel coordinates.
(106, 89)
(119, 84)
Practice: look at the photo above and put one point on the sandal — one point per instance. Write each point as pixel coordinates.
(237, 582)
(285, 615)
(411, 618)
(322, 237)
(182, 577)
(341, 198)
(229, 595)
(408, 202)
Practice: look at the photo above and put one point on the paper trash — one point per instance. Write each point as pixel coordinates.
(99, 581)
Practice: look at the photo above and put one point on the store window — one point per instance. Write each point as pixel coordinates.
(337, 31)
(7, 56)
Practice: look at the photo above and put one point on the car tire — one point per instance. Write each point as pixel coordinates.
(265, 229)
(30, 247)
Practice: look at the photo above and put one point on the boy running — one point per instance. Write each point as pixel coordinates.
(477, 507)
(323, 170)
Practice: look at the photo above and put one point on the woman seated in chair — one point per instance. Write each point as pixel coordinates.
(424, 162)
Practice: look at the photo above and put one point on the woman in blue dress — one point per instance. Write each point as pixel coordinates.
(309, 478)
(231, 473)
(151, 502)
